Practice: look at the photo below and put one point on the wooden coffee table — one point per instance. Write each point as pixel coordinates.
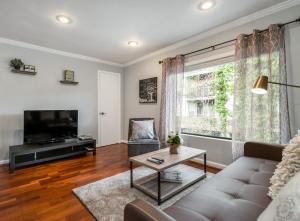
(152, 185)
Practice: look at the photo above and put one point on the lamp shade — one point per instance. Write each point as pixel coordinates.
(261, 85)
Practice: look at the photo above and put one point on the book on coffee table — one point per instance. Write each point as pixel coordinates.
(171, 176)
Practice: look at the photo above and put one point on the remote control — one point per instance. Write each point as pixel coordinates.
(154, 161)
(159, 159)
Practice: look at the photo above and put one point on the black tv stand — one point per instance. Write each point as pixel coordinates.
(29, 154)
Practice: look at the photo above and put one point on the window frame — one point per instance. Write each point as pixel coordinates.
(207, 136)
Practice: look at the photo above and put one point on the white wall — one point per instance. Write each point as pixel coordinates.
(219, 151)
(43, 91)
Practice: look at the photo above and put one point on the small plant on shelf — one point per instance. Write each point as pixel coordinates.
(174, 140)
(16, 63)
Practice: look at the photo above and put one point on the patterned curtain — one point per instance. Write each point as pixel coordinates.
(171, 96)
(263, 118)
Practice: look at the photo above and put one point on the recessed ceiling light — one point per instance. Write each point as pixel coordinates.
(206, 4)
(133, 43)
(64, 19)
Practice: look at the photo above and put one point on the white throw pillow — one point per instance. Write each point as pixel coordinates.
(286, 206)
(287, 168)
(142, 130)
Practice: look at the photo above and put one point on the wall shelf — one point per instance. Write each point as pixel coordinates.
(23, 72)
(69, 82)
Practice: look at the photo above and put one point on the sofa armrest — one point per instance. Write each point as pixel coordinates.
(139, 210)
(263, 150)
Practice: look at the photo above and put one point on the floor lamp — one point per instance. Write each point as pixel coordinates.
(261, 85)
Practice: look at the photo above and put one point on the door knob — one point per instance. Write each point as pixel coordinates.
(102, 113)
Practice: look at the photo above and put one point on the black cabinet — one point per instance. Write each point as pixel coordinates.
(28, 154)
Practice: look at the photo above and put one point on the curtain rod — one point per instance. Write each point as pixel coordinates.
(232, 40)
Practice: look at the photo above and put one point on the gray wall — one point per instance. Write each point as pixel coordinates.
(219, 151)
(20, 92)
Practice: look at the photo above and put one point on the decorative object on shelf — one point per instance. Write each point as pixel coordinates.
(29, 68)
(148, 90)
(85, 137)
(69, 78)
(175, 141)
(16, 63)
(19, 67)
(68, 75)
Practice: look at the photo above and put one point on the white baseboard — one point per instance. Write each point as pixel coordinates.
(4, 162)
(121, 141)
(209, 163)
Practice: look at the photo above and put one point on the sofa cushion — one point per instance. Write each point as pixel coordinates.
(239, 192)
(287, 168)
(142, 130)
(286, 206)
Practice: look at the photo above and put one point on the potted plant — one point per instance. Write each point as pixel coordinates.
(175, 141)
(16, 63)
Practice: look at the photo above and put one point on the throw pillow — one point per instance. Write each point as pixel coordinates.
(286, 206)
(287, 168)
(142, 130)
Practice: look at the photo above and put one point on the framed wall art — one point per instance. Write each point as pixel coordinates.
(148, 90)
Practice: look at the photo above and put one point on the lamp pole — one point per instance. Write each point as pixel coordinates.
(288, 85)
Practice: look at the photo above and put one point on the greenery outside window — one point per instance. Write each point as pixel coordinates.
(208, 101)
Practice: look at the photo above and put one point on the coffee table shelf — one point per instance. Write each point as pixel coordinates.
(159, 190)
(148, 184)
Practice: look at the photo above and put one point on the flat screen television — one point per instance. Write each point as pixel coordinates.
(46, 126)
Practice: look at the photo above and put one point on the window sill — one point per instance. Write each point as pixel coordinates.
(207, 136)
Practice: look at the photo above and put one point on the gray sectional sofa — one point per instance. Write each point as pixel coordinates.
(237, 193)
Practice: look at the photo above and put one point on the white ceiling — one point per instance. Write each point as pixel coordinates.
(102, 28)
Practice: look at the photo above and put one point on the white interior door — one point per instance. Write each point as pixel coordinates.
(109, 108)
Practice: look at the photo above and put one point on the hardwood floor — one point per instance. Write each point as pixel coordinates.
(44, 192)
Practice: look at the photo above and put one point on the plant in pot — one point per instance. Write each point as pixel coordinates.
(175, 141)
(16, 63)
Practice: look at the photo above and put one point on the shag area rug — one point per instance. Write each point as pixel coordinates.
(106, 198)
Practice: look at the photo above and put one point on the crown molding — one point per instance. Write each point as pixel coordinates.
(57, 52)
(236, 23)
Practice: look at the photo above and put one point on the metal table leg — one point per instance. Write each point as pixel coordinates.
(131, 175)
(205, 169)
(158, 189)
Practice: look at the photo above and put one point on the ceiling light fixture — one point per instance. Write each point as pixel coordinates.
(133, 43)
(206, 4)
(64, 19)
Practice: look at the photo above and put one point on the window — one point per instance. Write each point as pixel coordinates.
(208, 100)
